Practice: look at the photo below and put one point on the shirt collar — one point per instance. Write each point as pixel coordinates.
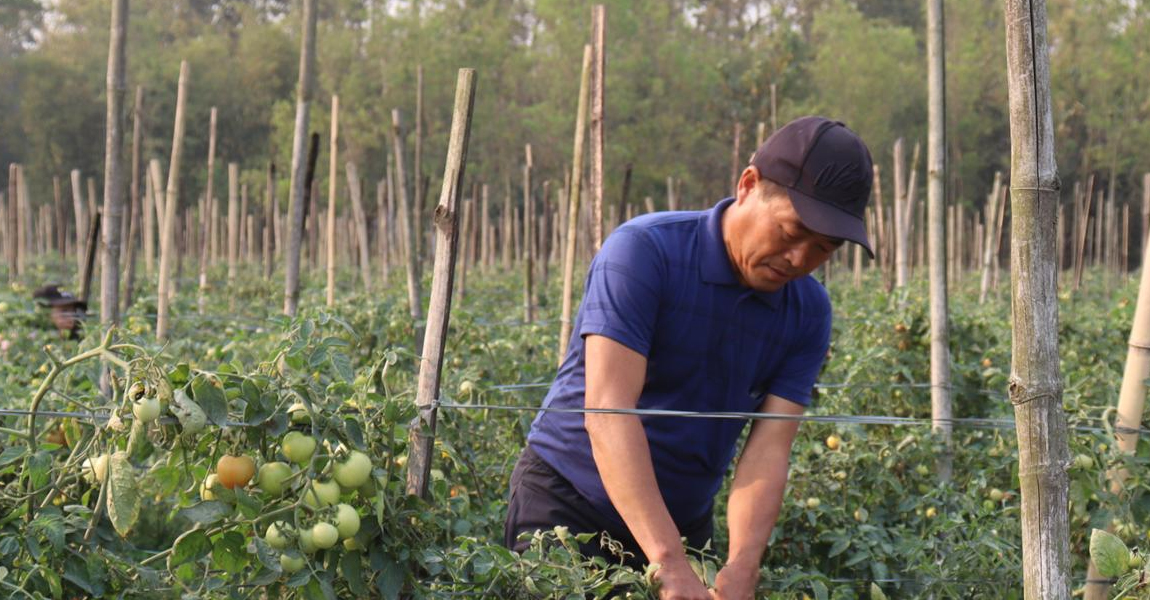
(714, 264)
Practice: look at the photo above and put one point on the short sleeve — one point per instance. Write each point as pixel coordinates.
(800, 369)
(621, 298)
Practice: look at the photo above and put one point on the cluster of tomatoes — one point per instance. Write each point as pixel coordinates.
(320, 520)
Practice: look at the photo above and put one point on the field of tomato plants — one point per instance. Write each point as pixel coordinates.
(254, 456)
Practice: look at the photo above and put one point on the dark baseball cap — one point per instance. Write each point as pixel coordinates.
(827, 172)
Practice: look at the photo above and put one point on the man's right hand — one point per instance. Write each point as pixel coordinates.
(678, 581)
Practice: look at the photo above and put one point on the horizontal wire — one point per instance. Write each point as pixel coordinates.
(965, 422)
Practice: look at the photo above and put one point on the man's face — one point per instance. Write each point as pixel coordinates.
(766, 240)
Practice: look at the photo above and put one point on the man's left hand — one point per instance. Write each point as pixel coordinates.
(736, 582)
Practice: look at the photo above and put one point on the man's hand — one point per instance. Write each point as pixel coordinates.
(678, 581)
(736, 581)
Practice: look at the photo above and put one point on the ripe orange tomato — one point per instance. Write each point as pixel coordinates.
(235, 471)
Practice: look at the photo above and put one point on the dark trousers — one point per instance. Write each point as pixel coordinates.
(541, 498)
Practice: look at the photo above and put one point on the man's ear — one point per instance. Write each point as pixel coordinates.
(748, 180)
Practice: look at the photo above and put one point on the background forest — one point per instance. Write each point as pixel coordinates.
(681, 74)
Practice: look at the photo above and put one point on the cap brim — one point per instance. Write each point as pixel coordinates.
(828, 220)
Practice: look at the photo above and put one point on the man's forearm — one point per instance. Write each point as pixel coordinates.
(754, 505)
(620, 448)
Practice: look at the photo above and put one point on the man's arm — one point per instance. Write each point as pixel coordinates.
(615, 376)
(756, 498)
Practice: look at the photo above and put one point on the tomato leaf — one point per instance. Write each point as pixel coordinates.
(189, 547)
(1109, 553)
(123, 493)
(206, 513)
(342, 365)
(211, 399)
(351, 566)
(228, 552)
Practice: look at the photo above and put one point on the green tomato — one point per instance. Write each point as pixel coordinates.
(346, 521)
(299, 414)
(324, 535)
(291, 563)
(306, 541)
(298, 447)
(272, 477)
(276, 536)
(95, 469)
(996, 494)
(146, 409)
(206, 493)
(354, 471)
(321, 494)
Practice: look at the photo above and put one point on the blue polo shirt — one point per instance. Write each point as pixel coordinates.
(663, 286)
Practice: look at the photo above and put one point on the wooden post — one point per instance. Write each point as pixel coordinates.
(736, 160)
(528, 241)
(298, 185)
(417, 170)
(467, 225)
(672, 201)
(414, 294)
(598, 116)
(1144, 233)
(360, 222)
(79, 211)
(13, 224)
(901, 239)
(774, 109)
(624, 205)
(422, 436)
(382, 227)
(171, 200)
(1035, 382)
(269, 219)
(1083, 228)
(882, 248)
(484, 231)
(333, 158)
(760, 134)
(90, 246)
(23, 229)
(573, 210)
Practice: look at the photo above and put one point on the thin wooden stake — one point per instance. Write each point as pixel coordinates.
(422, 436)
(573, 210)
(598, 116)
(168, 247)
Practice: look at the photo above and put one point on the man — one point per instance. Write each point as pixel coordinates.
(699, 311)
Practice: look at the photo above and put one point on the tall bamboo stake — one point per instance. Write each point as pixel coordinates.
(528, 241)
(382, 232)
(417, 170)
(205, 218)
(573, 203)
(901, 237)
(991, 235)
(269, 219)
(422, 436)
(1035, 381)
(23, 229)
(13, 222)
(940, 400)
(1145, 232)
(414, 294)
(360, 223)
(171, 200)
(598, 116)
(298, 185)
(333, 162)
(79, 211)
(233, 226)
(134, 196)
(113, 178)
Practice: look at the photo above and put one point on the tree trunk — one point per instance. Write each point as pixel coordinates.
(422, 436)
(573, 210)
(171, 200)
(332, 169)
(1035, 381)
(598, 117)
(298, 185)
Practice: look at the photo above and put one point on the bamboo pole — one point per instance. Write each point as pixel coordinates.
(171, 200)
(422, 436)
(467, 226)
(528, 241)
(991, 213)
(23, 229)
(414, 294)
(134, 197)
(940, 398)
(13, 222)
(882, 249)
(113, 176)
(299, 188)
(382, 226)
(79, 211)
(205, 218)
(417, 171)
(61, 228)
(1083, 228)
(333, 162)
(233, 227)
(598, 117)
(269, 219)
(360, 223)
(573, 204)
(901, 236)
(1035, 382)
(1145, 232)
